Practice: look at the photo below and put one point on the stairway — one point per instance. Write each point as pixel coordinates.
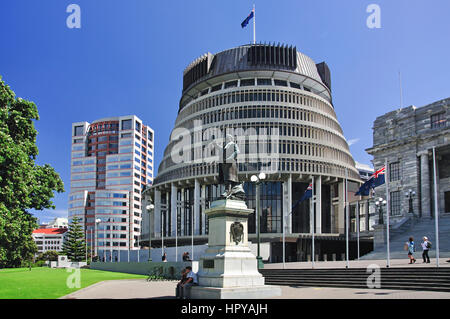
(422, 227)
(422, 279)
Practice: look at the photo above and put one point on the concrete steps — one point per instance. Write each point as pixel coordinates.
(418, 229)
(424, 278)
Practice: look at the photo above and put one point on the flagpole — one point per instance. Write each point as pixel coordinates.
(284, 242)
(254, 25)
(436, 210)
(346, 219)
(313, 229)
(357, 225)
(388, 211)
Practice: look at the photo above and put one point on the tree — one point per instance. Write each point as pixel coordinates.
(23, 184)
(51, 255)
(74, 245)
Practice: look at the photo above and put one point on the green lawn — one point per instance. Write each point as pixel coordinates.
(47, 283)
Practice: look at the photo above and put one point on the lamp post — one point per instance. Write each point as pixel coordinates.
(380, 203)
(150, 208)
(257, 179)
(410, 196)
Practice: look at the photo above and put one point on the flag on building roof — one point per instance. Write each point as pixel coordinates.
(246, 21)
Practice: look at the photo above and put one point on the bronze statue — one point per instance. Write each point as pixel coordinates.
(228, 172)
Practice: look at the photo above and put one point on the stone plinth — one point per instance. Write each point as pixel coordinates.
(228, 269)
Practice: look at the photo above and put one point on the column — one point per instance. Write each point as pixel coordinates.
(287, 203)
(196, 207)
(318, 189)
(366, 213)
(203, 203)
(173, 210)
(157, 214)
(341, 205)
(182, 212)
(425, 185)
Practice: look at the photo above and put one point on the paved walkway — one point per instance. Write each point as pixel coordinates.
(141, 289)
(394, 263)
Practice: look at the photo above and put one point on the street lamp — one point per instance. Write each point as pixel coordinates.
(410, 196)
(380, 203)
(257, 179)
(150, 208)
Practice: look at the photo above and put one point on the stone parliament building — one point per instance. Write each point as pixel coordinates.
(406, 137)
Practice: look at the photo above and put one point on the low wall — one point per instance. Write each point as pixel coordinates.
(166, 269)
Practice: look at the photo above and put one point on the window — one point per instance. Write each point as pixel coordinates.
(280, 83)
(264, 81)
(78, 131)
(138, 126)
(216, 88)
(438, 120)
(248, 82)
(231, 84)
(395, 203)
(295, 85)
(126, 124)
(394, 171)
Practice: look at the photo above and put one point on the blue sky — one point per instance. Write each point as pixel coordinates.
(128, 58)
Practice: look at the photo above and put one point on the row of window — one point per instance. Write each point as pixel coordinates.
(256, 96)
(271, 166)
(263, 112)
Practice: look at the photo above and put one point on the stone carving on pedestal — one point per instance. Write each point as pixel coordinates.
(237, 232)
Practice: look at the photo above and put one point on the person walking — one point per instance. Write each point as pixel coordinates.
(164, 258)
(410, 246)
(426, 245)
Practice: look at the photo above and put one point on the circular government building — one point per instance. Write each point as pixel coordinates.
(277, 105)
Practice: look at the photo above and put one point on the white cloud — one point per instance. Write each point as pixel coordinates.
(48, 215)
(353, 141)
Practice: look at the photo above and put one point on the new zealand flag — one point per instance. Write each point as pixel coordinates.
(245, 22)
(306, 195)
(375, 180)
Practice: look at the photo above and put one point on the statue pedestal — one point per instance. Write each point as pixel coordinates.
(228, 269)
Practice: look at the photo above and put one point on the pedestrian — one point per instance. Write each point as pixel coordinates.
(410, 246)
(164, 258)
(191, 280)
(426, 245)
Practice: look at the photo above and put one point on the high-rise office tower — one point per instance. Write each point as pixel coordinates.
(111, 164)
